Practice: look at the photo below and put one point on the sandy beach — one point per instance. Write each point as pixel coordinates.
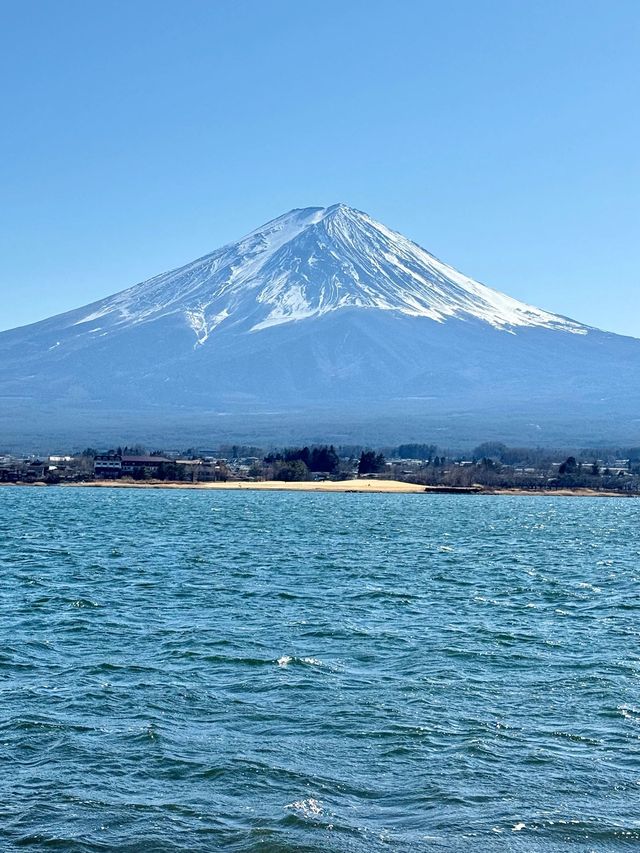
(364, 486)
(386, 486)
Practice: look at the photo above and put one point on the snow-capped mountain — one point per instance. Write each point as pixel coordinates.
(308, 318)
(304, 265)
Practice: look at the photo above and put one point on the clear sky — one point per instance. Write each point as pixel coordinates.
(504, 137)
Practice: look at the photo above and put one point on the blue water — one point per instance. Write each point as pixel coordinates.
(237, 671)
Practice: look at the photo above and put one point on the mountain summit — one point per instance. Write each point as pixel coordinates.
(323, 323)
(306, 264)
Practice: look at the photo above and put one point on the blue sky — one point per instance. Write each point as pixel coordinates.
(501, 136)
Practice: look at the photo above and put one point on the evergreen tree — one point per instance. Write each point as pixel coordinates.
(371, 462)
(292, 471)
(324, 459)
(569, 466)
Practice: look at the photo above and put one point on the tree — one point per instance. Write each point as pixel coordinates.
(293, 471)
(371, 462)
(569, 466)
(324, 459)
(319, 458)
(167, 471)
(489, 464)
(222, 472)
(299, 454)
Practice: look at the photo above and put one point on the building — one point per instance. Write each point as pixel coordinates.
(107, 466)
(202, 470)
(112, 466)
(143, 466)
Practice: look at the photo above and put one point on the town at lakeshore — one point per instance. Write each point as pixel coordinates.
(491, 466)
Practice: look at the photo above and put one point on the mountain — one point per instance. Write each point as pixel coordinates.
(321, 324)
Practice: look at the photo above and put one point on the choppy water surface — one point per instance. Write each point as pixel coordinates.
(201, 671)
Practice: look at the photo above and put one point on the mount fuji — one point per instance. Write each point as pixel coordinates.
(322, 324)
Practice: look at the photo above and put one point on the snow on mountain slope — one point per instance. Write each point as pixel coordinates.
(306, 264)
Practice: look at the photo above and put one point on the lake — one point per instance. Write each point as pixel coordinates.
(280, 672)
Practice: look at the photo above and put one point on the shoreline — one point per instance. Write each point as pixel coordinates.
(562, 493)
(364, 486)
